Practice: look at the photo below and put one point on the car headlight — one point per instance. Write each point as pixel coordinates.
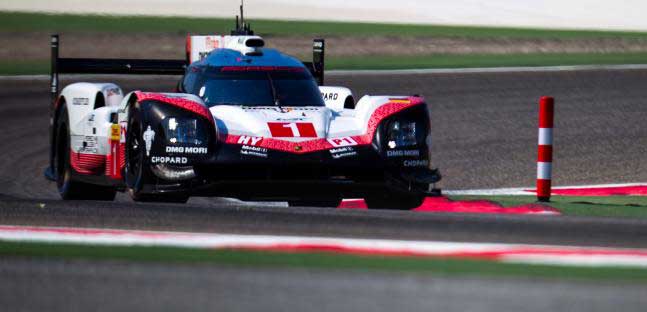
(402, 133)
(184, 131)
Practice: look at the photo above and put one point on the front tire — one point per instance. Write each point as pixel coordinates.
(135, 170)
(394, 201)
(69, 189)
(322, 203)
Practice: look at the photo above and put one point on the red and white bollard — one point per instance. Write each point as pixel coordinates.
(545, 150)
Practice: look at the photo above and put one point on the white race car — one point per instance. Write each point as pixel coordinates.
(245, 122)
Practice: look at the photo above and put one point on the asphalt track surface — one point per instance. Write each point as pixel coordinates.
(485, 134)
(77, 285)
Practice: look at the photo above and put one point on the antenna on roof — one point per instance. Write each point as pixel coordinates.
(242, 28)
(242, 16)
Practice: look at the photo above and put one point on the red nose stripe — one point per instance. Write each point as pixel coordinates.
(179, 102)
(308, 146)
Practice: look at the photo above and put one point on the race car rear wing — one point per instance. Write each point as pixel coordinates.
(107, 66)
(316, 67)
(145, 67)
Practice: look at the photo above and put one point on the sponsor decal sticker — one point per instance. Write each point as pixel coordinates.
(415, 163)
(403, 153)
(282, 109)
(291, 119)
(80, 101)
(90, 145)
(187, 150)
(342, 152)
(292, 129)
(148, 136)
(344, 141)
(330, 96)
(249, 140)
(169, 160)
(115, 132)
(253, 151)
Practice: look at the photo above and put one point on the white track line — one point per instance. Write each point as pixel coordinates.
(501, 191)
(530, 190)
(537, 69)
(514, 253)
(371, 72)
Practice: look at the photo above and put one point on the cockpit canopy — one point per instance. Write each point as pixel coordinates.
(253, 85)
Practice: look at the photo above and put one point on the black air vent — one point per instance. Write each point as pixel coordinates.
(255, 43)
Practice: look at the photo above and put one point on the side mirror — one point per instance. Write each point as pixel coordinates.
(337, 98)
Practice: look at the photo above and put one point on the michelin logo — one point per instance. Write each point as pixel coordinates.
(342, 152)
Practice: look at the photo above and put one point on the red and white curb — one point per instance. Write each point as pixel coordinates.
(509, 253)
(442, 204)
(624, 189)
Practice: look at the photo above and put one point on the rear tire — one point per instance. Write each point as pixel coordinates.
(69, 189)
(158, 198)
(135, 170)
(394, 201)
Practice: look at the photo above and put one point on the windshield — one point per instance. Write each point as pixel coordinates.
(258, 86)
